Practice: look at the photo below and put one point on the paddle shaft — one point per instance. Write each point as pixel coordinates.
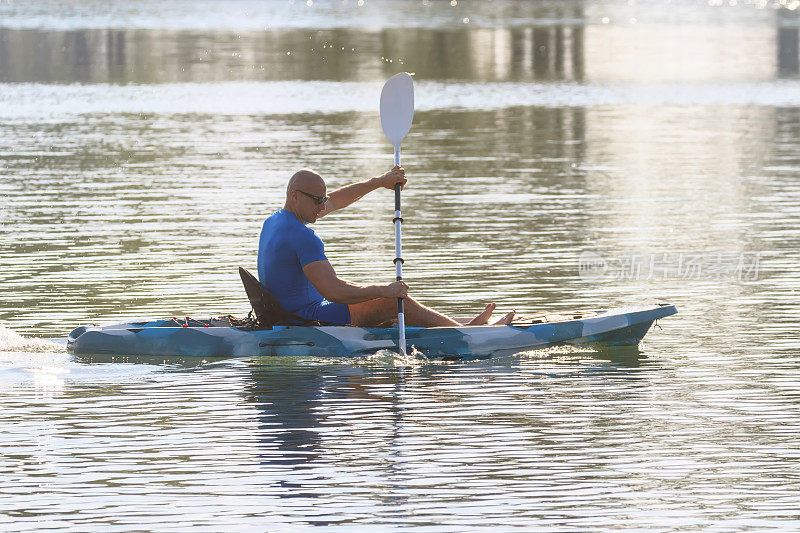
(397, 114)
(398, 261)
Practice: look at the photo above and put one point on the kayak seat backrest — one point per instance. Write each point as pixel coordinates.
(266, 306)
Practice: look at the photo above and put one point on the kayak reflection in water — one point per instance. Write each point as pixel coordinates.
(293, 266)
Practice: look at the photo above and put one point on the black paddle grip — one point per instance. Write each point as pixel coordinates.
(397, 196)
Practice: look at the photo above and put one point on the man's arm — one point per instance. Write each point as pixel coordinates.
(347, 195)
(324, 279)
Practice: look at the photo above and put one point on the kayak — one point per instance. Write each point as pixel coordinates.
(222, 337)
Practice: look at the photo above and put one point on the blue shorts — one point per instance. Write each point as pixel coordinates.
(325, 311)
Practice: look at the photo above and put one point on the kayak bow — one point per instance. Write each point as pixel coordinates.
(218, 338)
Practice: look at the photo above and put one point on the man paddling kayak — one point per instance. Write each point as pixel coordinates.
(293, 266)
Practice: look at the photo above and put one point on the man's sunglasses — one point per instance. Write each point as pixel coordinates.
(319, 200)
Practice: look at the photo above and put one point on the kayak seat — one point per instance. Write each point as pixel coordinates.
(267, 308)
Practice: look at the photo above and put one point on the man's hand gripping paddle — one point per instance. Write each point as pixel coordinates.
(397, 112)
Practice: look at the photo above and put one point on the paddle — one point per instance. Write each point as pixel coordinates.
(397, 112)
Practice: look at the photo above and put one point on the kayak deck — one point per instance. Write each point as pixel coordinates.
(218, 338)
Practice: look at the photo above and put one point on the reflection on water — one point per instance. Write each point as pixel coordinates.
(563, 42)
(543, 130)
(149, 56)
(288, 410)
(319, 444)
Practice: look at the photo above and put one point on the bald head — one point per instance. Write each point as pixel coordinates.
(305, 180)
(305, 195)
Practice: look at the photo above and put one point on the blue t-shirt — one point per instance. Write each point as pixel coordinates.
(286, 245)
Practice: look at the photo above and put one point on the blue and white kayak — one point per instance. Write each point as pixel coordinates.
(218, 338)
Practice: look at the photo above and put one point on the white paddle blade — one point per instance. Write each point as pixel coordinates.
(397, 107)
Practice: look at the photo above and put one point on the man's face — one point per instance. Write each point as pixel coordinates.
(307, 207)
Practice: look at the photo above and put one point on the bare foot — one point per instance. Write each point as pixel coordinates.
(506, 320)
(484, 317)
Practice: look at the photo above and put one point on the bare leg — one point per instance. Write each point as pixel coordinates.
(373, 313)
